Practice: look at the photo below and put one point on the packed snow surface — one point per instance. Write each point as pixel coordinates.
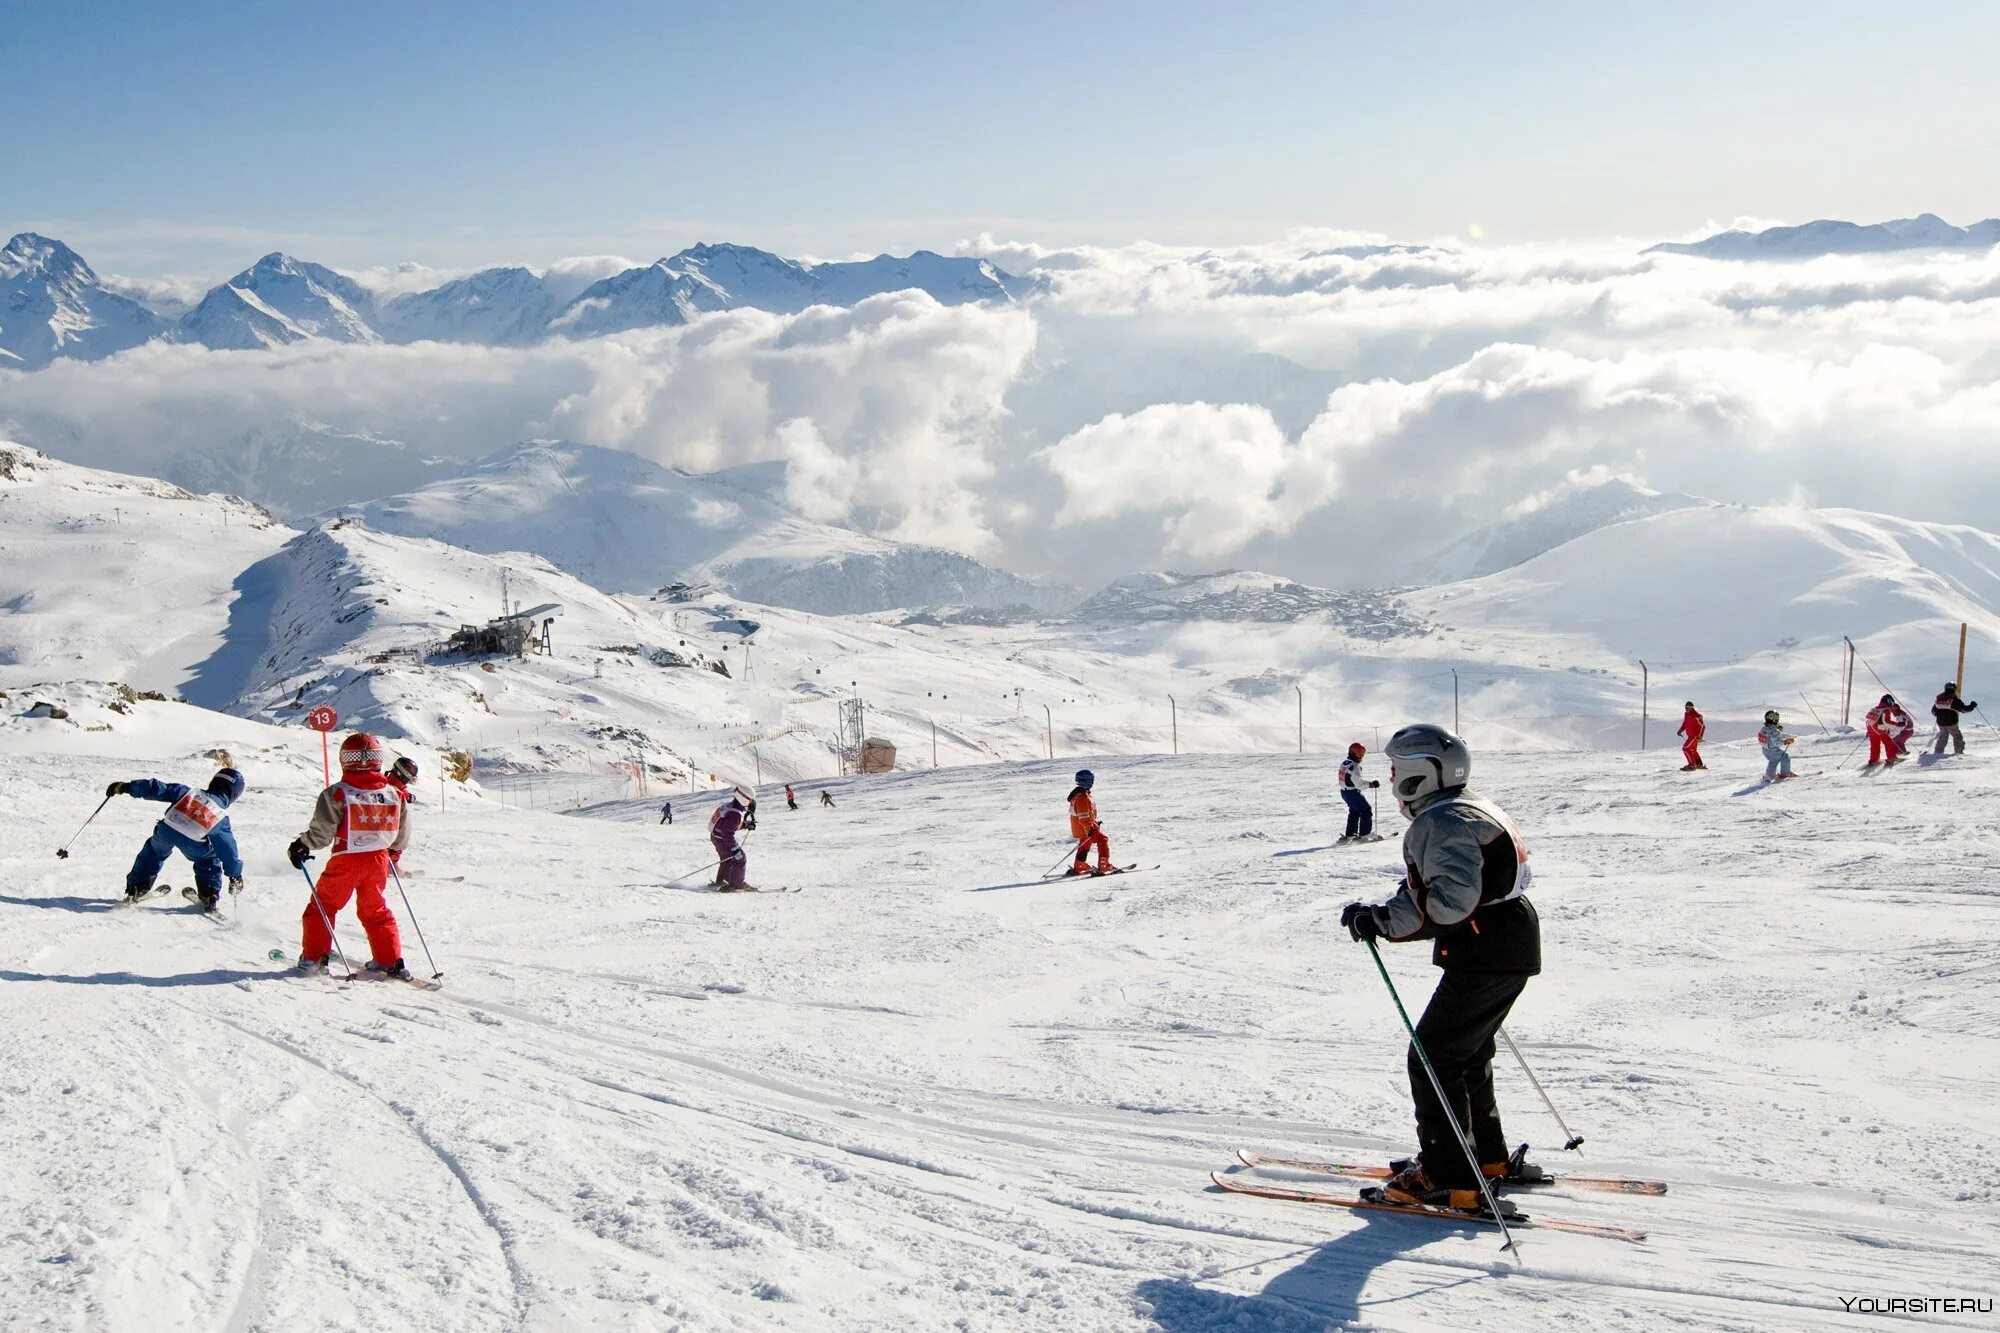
(932, 1090)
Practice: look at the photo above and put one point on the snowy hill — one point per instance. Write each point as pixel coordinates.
(1725, 583)
(281, 300)
(625, 524)
(115, 578)
(52, 305)
(500, 307)
(1833, 237)
(933, 1091)
(1504, 545)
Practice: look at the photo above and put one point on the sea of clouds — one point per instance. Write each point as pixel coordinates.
(1330, 406)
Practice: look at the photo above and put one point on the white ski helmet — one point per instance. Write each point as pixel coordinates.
(1425, 758)
(745, 796)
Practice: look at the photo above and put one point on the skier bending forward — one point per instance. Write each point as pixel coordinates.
(739, 812)
(1465, 890)
(196, 826)
(366, 821)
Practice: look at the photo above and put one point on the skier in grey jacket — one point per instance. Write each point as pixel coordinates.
(1464, 889)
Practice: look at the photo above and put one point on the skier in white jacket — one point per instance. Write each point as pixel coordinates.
(1775, 740)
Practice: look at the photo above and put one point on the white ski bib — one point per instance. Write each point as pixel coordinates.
(194, 815)
(1523, 876)
(370, 820)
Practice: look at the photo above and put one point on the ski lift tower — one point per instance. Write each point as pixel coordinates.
(853, 731)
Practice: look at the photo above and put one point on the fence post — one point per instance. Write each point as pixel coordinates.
(1174, 712)
(1959, 679)
(1049, 719)
(1645, 701)
(1454, 702)
(1302, 717)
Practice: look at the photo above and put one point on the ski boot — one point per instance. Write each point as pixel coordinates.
(1343, 838)
(1516, 1170)
(317, 965)
(1074, 871)
(1412, 1187)
(138, 892)
(394, 971)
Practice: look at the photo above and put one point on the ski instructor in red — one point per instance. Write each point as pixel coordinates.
(365, 820)
(1464, 889)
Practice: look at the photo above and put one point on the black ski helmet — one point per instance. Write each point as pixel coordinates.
(1770, 715)
(1086, 779)
(227, 783)
(1888, 701)
(1690, 705)
(1951, 687)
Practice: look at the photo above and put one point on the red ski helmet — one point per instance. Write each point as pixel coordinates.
(361, 753)
(1356, 750)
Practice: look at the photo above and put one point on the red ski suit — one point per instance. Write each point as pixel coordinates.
(1083, 826)
(365, 820)
(1889, 729)
(1694, 729)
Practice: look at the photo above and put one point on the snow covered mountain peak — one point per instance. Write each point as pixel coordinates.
(1832, 236)
(1503, 545)
(53, 305)
(279, 300)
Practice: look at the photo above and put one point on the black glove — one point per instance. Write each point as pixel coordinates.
(116, 789)
(1374, 784)
(298, 853)
(1362, 921)
(750, 824)
(236, 885)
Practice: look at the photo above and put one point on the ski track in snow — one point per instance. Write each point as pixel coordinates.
(894, 1101)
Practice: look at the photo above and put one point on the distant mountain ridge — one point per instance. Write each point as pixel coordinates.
(52, 306)
(1926, 231)
(1499, 546)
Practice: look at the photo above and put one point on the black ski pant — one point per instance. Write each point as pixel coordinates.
(1457, 1032)
(1360, 819)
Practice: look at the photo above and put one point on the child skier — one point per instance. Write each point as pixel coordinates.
(366, 822)
(1693, 728)
(1083, 826)
(196, 826)
(1360, 818)
(1889, 729)
(738, 813)
(1464, 889)
(825, 797)
(1775, 740)
(1945, 709)
(791, 798)
(667, 812)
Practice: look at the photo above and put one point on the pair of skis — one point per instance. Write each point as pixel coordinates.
(213, 914)
(370, 971)
(1237, 1184)
(1134, 869)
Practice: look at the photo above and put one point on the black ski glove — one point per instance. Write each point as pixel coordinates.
(116, 789)
(750, 824)
(236, 885)
(1362, 921)
(298, 853)
(1374, 784)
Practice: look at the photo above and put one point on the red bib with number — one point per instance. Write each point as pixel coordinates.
(369, 820)
(194, 815)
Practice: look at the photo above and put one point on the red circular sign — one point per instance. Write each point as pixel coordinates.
(322, 719)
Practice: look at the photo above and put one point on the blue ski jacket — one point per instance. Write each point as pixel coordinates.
(221, 839)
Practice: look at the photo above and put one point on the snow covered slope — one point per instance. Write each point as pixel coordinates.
(52, 305)
(932, 1091)
(1244, 595)
(1504, 545)
(113, 577)
(625, 524)
(501, 307)
(281, 300)
(1725, 584)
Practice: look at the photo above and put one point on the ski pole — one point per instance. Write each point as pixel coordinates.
(62, 852)
(435, 974)
(696, 871)
(1444, 1104)
(1575, 1140)
(1070, 857)
(339, 952)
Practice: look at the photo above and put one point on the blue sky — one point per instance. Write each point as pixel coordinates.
(190, 138)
